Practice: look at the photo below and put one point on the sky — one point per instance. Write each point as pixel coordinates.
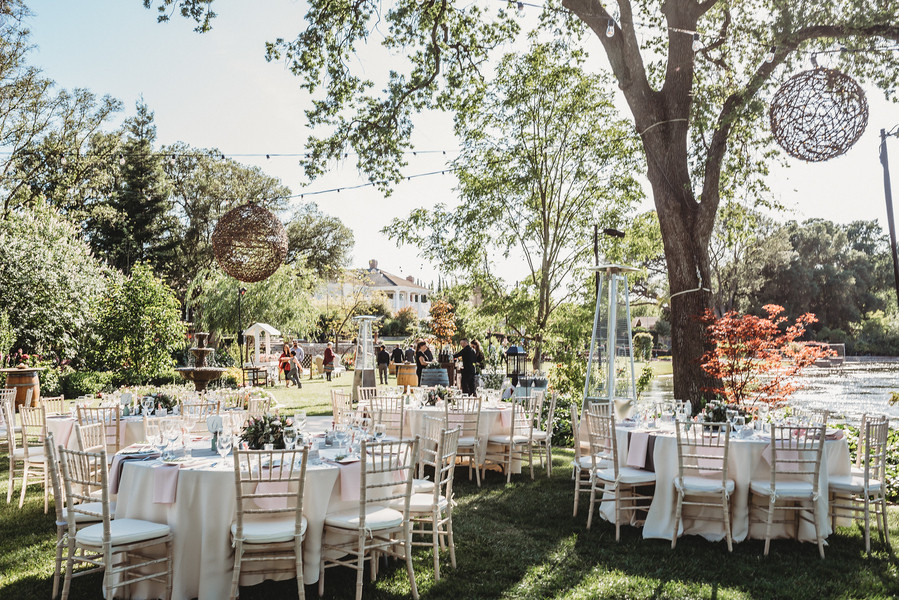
(217, 90)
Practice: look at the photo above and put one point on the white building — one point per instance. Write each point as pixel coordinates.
(399, 291)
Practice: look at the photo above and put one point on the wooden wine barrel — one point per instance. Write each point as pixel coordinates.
(434, 377)
(405, 375)
(23, 380)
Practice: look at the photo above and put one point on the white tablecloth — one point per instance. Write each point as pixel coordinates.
(745, 463)
(491, 423)
(63, 430)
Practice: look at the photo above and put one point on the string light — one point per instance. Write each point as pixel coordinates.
(610, 30)
(769, 58)
(63, 161)
(121, 160)
(519, 9)
(697, 44)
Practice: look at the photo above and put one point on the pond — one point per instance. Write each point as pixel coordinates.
(860, 385)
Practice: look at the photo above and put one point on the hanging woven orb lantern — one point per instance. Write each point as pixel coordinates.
(249, 243)
(818, 114)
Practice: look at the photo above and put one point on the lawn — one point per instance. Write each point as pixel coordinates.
(521, 541)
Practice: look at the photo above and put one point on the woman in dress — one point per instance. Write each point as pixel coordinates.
(421, 359)
(284, 364)
(328, 362)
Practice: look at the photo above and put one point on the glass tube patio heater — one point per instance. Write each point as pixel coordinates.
(364, 367)
(610, 364)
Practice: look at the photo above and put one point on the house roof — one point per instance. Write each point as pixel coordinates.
(383, 279)
(262, 327)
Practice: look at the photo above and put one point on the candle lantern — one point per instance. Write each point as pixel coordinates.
(610, 363)
(516, 363)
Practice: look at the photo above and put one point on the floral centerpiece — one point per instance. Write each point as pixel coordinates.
(434, 364)
(717, 412)
(163, 400)
(438, 393)
(267, 429)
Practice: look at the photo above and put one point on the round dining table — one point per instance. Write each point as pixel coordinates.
(63, 429)
(747, 461)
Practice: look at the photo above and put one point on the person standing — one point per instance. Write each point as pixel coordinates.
(383, 364)
(284, 364)
(409, 355)
(468, 357)
(298, 356)
(480, 362)
(397, 355)
(421, 359)
(428, 354)
(328, 362)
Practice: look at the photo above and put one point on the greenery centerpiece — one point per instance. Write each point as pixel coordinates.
(163, 400)
(438, 393)
(267, 429)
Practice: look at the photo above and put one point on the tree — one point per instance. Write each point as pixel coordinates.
(756, 358)
(697, 111)
(321, 242)
(136, 227)
(139, 326)
(49, 281)
(542, 161)
(443, 321)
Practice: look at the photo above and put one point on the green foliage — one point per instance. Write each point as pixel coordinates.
(891, 465)
(267, 429)
(284, 301)
(400, 324)
(81, 383)
(50, 281)
(644, 380)
(319, 241)
(643, 346)
(7, 335)
(139, 326)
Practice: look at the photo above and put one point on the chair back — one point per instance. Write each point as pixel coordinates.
(523, 416)
(576, 432)
(110, 417)
(198, 411)
(34, 429)
(465, 415)
(390, 412)
(387, 470)
(92, 437)
(445, 467)
(603, 441)
(877, 431)
(549, 418)
(341, 405)
(8, 420)
(84, 474)
(52, 457)
(256, 407)
(54, 405)
(229, 399)
(428, 443)
(702, 450)
(796, 453)
(366, 393)
(269, 483)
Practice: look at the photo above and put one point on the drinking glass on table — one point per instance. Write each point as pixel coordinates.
(739, 424)
(223, 445)
(156, 436)
(290, 438)
(380, 431)
(146, 403)
(172, 432)
(299, 419)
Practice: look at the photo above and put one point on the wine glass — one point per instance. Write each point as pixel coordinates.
(290, 438)
(156, 436)
(147, 403)
(172, 432)
(365, 425)
(299, 419)
(738, 424)
(223, 445)
(380, 431)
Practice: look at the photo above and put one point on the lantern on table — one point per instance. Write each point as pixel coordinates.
(364, 367)
(610, 364)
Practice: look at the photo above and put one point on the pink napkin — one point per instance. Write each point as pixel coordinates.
(636, 450)
(505, 417)
(784, 454)
(274, 487)
(350, 480)
(165, 483)
(64, 432)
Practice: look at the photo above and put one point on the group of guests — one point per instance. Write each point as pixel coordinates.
(291, 363)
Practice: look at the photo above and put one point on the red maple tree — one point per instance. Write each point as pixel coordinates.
(756, 359)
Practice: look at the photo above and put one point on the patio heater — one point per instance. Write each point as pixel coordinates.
(610, 364)
(364, 367)
(516, 363)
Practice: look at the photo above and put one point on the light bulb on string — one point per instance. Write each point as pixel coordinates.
(121, 160)
(697, 44)
(172, 160)
(63, 161)
(610, 30)
(519, 9)
(769, 58)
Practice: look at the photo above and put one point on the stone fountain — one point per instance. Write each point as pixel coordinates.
(200, 374)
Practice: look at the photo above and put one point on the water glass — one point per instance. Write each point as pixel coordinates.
(380, 431)
(299, 420)
(290, 438)
(223, 444)
(739, 423)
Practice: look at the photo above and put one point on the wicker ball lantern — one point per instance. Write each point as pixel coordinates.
(249, 243)
(818, 114)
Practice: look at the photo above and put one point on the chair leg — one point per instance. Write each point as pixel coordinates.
(60, 538)
(360, 566)
(477, 473)
(725, 506)
(407, 550)
(450, 542)
(577, 488)
(818, 535)
(435, 543)
(235, 577)
(885, 530)
(170, 570)
(12, 479)
(617, 513)
(24, 485)
(508, 465)
(70, 566)
(592, 501)
(549, 461)
(530, 459)
(677, 517)
(768, 525)
(321, 576)
(46, 489)
(298, 554)
(867, 524)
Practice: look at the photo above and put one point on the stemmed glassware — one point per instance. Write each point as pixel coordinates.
(156, 436)
(147, 403)
(172, 431)
(299, 420)
(223, 445)
(380, 431)
(738, 424)
(290, 438)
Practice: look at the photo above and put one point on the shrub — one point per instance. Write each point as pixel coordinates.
(643, 346)
(82, 383)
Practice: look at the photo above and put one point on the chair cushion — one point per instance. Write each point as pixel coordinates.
(123, 531)
(692, 484)
(853, 483)
(786, 488)
(96, 507)
(376, 517)
(420, 503)
(35, 454)
(538, 435)
(504, 439)
(269, 531)
(468, 441)
(584, 462)
(422, 486)
(626, 475)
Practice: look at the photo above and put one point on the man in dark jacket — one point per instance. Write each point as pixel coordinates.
(409, 356)
(383, 364)
(397, 355)
(468, 356)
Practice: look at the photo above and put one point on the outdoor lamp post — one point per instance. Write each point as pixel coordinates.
(610, 363)
(240, 293)
(516, 363)
(364, 366)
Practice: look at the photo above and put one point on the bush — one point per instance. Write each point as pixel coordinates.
(83, 383)
(892, 458)
(643, 346)
(563, 435)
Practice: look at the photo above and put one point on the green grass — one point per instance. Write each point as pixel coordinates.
(521, 542)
